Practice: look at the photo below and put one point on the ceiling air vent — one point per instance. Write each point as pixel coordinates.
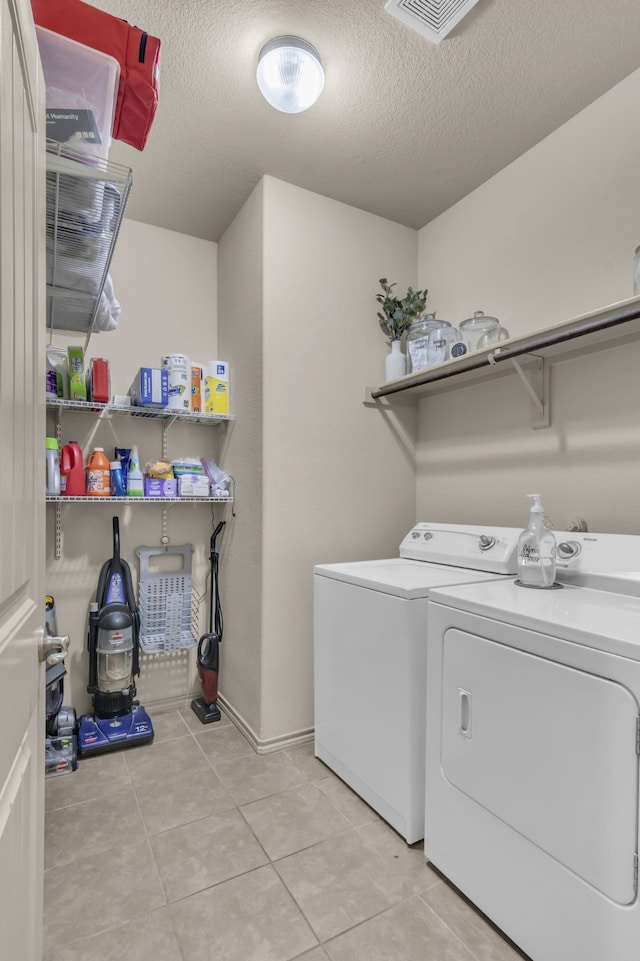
(434, 19)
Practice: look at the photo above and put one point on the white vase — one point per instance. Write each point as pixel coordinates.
(395, 363)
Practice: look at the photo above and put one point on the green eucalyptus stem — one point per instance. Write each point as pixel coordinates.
(398, 314)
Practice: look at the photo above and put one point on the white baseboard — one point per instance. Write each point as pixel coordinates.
(268, 745)
(260, 746)
(162, 705)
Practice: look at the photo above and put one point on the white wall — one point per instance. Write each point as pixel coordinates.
(298, 274)
(546, 239)
(339, 478)
(167, 286)
(240, 268)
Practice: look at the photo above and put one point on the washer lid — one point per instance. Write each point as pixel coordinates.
(600, 619)
(400, 577)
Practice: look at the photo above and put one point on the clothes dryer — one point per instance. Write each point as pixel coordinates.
(370, 638)
(533, 734)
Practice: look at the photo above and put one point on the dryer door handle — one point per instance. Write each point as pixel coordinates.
(464, 727)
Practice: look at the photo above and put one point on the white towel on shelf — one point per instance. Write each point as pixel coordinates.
(77, 200)
(75, 273)
(108, 308)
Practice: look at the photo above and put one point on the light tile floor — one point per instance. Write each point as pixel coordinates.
(194, 848)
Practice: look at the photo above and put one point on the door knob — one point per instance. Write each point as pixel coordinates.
(53, 650)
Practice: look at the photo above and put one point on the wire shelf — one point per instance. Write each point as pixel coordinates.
(159, 413)
(85, 202)
(94, 499)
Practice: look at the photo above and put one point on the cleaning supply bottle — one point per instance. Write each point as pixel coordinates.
(72, 479)
(537, 550)
(53, 467)
(98, 476)
(135, 482)
(118, 488)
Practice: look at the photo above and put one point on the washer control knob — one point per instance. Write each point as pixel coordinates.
(569, 549)
(427, 535)
(415, 535)
(486, 542)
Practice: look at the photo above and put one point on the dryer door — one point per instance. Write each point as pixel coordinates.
(548, 749)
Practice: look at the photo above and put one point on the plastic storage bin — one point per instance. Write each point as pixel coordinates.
(81, 89)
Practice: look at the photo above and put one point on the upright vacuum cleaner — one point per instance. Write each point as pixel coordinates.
(117, 720)
(206, 707)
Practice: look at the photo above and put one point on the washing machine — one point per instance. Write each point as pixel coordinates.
(370, 639)
(532, 751)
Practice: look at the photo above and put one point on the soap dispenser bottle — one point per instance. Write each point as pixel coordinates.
(536, 550)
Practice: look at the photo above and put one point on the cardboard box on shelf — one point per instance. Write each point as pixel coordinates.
(160, 487)
(150, 388)
(193, 485)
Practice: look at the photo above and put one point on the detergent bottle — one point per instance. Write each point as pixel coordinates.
(98, 474)
(72, 480)
(53, 466)
(536, 550)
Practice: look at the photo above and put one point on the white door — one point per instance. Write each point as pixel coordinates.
(21, 484)
(550, 750)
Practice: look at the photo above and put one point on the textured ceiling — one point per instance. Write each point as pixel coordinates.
(404, 128)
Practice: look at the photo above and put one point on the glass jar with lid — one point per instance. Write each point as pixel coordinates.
(418, 342)
(441, 340)
(480, 326)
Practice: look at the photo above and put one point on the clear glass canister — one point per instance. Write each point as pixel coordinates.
(418, 342)
(441, 339)
(475, 327)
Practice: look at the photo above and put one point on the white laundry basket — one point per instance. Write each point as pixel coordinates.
(164, 601)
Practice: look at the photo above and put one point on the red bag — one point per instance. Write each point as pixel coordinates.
(137, 53)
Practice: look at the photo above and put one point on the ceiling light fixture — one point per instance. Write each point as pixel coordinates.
(290, 75)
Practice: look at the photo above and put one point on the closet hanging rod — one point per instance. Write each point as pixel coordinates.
(581, 327)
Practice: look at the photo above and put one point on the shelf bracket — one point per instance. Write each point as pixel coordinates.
(164, 537)
(166, 424)
(58, 549)
(536, 383)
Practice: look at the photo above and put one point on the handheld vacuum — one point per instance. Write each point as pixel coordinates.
(206, 707)
(118, 720)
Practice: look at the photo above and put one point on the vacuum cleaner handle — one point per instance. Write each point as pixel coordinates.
(92, 642)
(218, 530)
(209, 652)
(103, 582)
(130, 600)
(116, 539)
(213, 559)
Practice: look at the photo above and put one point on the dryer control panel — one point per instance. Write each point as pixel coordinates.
(606, 561)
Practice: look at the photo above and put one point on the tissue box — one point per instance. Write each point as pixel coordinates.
(150, 388)
(160, 487)
(193, 485)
